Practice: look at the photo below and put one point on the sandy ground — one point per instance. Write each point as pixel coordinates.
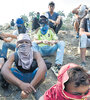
(71, 55)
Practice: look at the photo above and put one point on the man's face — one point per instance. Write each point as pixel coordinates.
(23, 42)
(78, 91)
(51, 8)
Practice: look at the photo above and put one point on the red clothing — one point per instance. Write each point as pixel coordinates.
(57, 92)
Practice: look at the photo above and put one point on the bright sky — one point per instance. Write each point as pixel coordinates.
(14, 8)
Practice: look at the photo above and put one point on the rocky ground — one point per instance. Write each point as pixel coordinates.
(71, 55)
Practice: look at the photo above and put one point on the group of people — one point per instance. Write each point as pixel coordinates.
(30, 69)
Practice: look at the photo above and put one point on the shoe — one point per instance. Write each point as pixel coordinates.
(83, 64)
(77, 36)
(58, 66)
(54, 70)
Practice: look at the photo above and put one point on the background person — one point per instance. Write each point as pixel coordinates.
(55, 21)
(80, 12)
(85, 37)
(46, 42)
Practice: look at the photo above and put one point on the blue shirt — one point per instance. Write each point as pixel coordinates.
(53, 17)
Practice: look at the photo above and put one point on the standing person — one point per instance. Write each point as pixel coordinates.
(25, 76)
(12, 24)
(35, 22)
(55, 21)
(85, 37)
(73, 84)
(80, 12)
(46, 42)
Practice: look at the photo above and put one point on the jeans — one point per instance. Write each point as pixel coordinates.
(84, 41)
(25, 77)
(49, 50)
(5, 48)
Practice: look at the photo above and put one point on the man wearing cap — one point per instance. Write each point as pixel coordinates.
(46, 42)
(55, 21)
(80, 12)
(7, 45)
(85, 36)
(23, 75)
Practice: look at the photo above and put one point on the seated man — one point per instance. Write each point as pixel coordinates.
(24, 75)
(7, 45)
(55, 21)
(7, 38)
(80, 12)
(46, 42)
(85, 36)
(73, 84)
(35, 22)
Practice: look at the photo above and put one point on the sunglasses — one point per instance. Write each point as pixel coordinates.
(79, 94)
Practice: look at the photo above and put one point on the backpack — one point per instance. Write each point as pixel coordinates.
(33, 66)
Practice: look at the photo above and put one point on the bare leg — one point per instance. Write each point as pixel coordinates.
(41, 98)
(83, 54)
(76, 26)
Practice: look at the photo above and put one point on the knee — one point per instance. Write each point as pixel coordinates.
(5, 44)
(34, 44)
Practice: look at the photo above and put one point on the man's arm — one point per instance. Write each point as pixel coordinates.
(7, 73)
(11, 78)
(41, 69)
(7, 40)
(9, 35)
(82, 27)
(58, 20)
(75, 11)
(82, 31)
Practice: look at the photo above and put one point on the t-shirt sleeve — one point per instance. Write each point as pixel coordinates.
(82, 23)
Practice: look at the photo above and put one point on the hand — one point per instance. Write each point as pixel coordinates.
(52, 43)
(27, 88)
(8, 40)
(46, 41)
(24, 95)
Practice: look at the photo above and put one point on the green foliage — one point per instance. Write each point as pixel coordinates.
(25, 18)
(32, 14)
(61, 13)
(70, 15)
(68, 22)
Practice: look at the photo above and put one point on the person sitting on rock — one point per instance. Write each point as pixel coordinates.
(46, 42)
(55, 20)
(26, 76)
(73, 84)
(80, 12)
(85, 37)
